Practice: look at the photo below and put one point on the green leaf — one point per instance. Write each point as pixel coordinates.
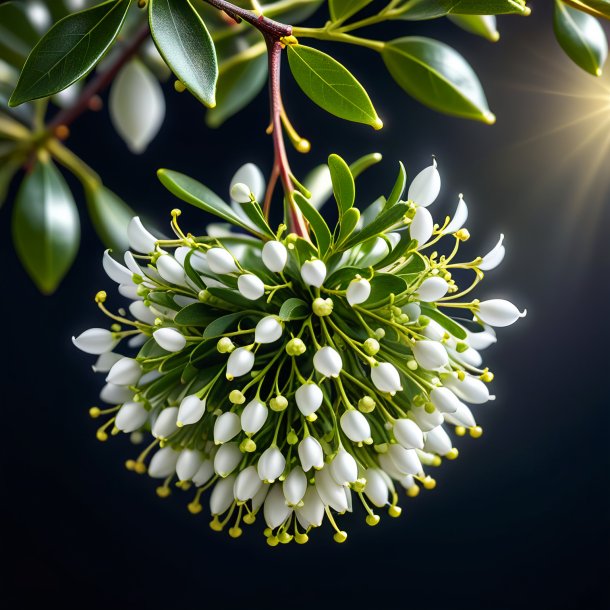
(348, 223)
(415, 265)
(341, 277)
(69, 50)
(382, 223)
(582, 38)
(17, 34)
(362, 164)
(220, 325)
(480, 25)
(600, 7)
(46, 228)
(239, 82)
(445, 321)
(398, 188)
(398, 251)
(110, 216)
(416, 10)
(8, 168)
(200, 196)
(232, 297)
(382, 285)
(195, 314)
(254, 212)
(318, 224)
(163, 298)
(437, 76)
(294, 309)
(344, 188)
(340, 10)
(332, 86)
(186, 45)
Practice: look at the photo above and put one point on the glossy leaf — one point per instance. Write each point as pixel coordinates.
(110, 216)
(340, 10)
(601, 8)
(294, 309)
(46, 227)
(195, 314)
(348, 223)
(446, 322)
(582, 38)
(480, 25)
(344, 188)
(69, 50)
(437, 76)
(318, 224)
(363, 163)
(186, 45)
(332, 86)
(220, 325)
(382, 285)
(398, 188)
(417, 10)
(380, 224)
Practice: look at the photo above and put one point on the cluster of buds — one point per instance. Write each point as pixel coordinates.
(292, 379)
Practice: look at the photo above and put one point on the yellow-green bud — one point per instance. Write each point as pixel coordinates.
(295, 347)
(292, 438)
(237, 398)
(371, 346)
(142, 291)
(366, 404)
(279, 403)
(225, 345)
(380, 333)
(322, 307)
(461, 347)
(247, 446)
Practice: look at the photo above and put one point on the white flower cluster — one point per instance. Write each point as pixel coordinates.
(291, 382)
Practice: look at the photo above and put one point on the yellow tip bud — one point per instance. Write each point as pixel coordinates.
(130, 464)
(377, 124)
(452, 455)
(413, 491)
(101, 296)
(429, 482)
(372, 520)
(140, 467)
(94, 412)
(476, 432)
(235, 532)
(460, 430)
(249, 518)
(300, 538)
(101, 436)
(394, 511)
(340, 537)
(194, 508)
(179, 86)
(273, 541)
(303, 146)
(163, 492)
(215, 524)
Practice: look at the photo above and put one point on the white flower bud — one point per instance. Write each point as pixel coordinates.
(222, 497)
(268, 330)
(140, 239)
(430, 355)
(253, 417)
(386, 378)
(239, 363)
(240, 193)
(129, 291)
(294, 486)
(126, 371)
(376, 488)
(165, 424)
(191, 410)
(131, 416)
(309, 398)
(95, 341)
(247, 484)
(470, 389)
(426, 420)
(327, 362)
(434, 331)
(425, 186)
(432, 289)
(250, 286)
(227, 459)
(115, 394)
(271, 464)
(437, 441)
(259, 498)
(421, 226)
(408, 434)
(483, 339)
(388, 467)
(220, 261)
(313, 273)
(163, 463)
(115, 271)
(330, 492)
(105, 362)
(311, 454)
(499, 312)
(462, 417)
(142, 313)
(405, 460)
(494, 257)
(275, 510)
(444, 400)
(311, 514)
(250, 175)
(459, 218)
(226, 427)
(470, 356)
(344, 468)
(170, 270)
(275, 256)
(204, 474)
(188, 464)
(355, 426)
(358, 291)
(169, 339)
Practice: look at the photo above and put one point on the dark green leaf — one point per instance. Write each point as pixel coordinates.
(445, 321)
(220, 325)
(186, 45)
(8, 168)
(151, 349)
(382, 285)
(232, 297)
(318, 224)
(340, 10)
(399, 187)
(430, 9)
(343, 183)
(110, 216)
(46, 228)
(383, 222)
(416, 264)
(582, 38)
(17, 34)
(348, 223)
(480, 25)
(165, 299)
(254, 212)
(437, 76)
(332, 86)
(195, 314)
(400, 249)
(294, 309)
(69, 50)
(341, 277)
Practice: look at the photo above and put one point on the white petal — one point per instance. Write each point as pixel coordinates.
(105, 361)
(115, 394)
(494, 257)
(274, 256)
(330, 492)
(327, 362)
(163, 463)
(115, 271)
(226, 427)
(425, 186)
(405, 460)
(239, 363)
(309, 398)
(126, 371)
(311, 453)
(165, 424)
(95, 341)
(437, 441)
(459, 218)
(191, 410)
(271, 464)
(344, 468)
(142, 313)
(222, 497)
(408, 434)
(170, 270)
(386, 378)
(253, 417)
(294, 486)
(430, 355)
(268, 330)
(131, 416)
(421, 226)
(313, 273)
(227, 459)
(275, 509)
(312, 511)
(247, 484)
(376, 489)
(499, 312)
(250, 286)
(355, 426)
(250, 175)
(358, 291)
(169, 339)
(140, 239)
(188, 464)
(432, 289)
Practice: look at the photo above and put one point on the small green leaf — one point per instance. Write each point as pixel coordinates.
(382, 223)
(348, 223)
(186, 45)
(232, 297)
(344, 188)
(341, 277)
(417, 10)
(46, 228)
(8, 167)
(220, 325)
(398, 251)
(445, 321)
(165, 299)
(480, 25)
(399, 187)
(69, 50)
(332, 86)
(362, 164)
(318, 224)
(415, 265)
(340, 10)
(195, 314)
(254, 212)
(582, 38)
(294, 309)
(110, 216)
(382, 285)
(438, 76)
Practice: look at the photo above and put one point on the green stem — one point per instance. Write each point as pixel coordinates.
(72, 163)
(335, 36)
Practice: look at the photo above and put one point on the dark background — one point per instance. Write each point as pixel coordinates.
(520, 520)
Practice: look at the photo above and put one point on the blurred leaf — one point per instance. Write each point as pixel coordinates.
(600, 7)
(340, 10)
(430, 9)
(8, 168)
(110, 216)
(46, 227)
(582, 38)
(69, 50)
(17, 34)
(318, 224)
(294, 11)
(239, 82)
(480, 25)
(294, 309)
(437, 76)
(332, 86)
(186, 45)
(344, 188)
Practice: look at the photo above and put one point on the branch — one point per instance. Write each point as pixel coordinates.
(585, 8)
